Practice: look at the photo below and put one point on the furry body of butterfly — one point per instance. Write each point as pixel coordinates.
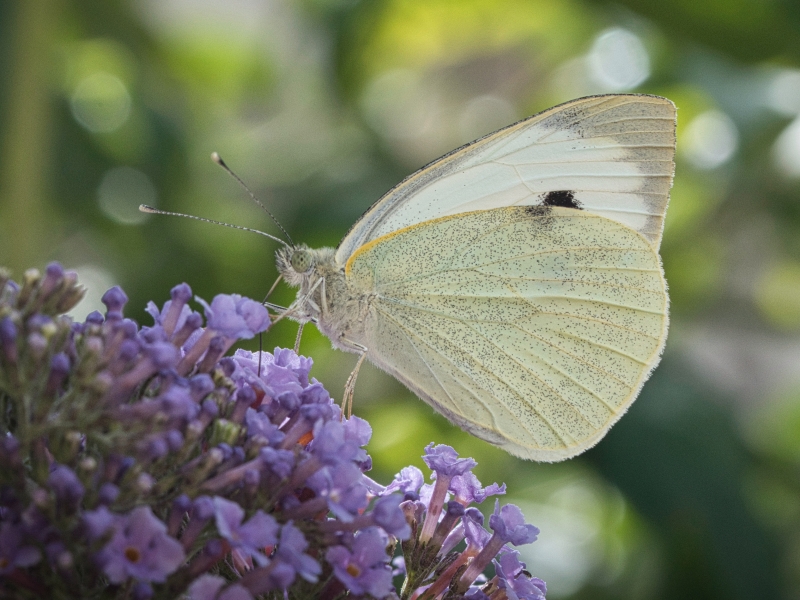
(514, 284)
(325, 297)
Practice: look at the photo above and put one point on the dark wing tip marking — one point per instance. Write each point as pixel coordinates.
(563, 198)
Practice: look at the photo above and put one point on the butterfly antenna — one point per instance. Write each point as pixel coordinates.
(218, 159)
(157, 211)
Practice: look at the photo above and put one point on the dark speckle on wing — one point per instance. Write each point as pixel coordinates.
(537, 210)
(563, 198)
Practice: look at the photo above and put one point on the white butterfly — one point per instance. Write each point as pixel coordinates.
(513, 284)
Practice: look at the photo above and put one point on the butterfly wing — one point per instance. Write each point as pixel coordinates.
(532, 328)
(612, 155)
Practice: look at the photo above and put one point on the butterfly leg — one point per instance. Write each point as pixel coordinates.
(323, 298)
(350, 386)
(272, 289)
(294, 306)
(297, 339)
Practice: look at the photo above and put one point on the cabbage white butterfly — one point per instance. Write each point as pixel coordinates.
(515, 283)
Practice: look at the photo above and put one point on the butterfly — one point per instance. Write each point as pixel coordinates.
(515, 283)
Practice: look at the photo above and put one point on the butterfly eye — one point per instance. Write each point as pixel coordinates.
(301, 261)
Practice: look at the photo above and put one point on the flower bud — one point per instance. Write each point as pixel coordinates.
(144, 483)
(193, 322)
(108, 493)
(115, 300)
(53, 278)
(225, 431)
(216, 348)
(88, 464)
(8, 340)
(179, 295)
(37, 345)
(71, 293)
(30, 279)
(95, 318)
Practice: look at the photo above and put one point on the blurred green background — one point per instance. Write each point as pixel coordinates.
(322, 105)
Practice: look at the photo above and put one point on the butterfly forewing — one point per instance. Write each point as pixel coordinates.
(613, 154)
(533, 328)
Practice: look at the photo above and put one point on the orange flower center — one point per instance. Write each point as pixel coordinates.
(132, 554)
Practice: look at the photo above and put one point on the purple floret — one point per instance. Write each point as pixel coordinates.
(13, 551)
(209, 587)
(259, 424)
(251, 537)
(517, 584)
(343, 487)
(291, 552)
(468, 489)
(140, 548)
(388, 514)
(357, 431)
(444, 460)
(408, 480)
(235, 317)
(476, 535)
(331, 445)
(287, 358)
(364, 567)
(282, 373)
(508, 522)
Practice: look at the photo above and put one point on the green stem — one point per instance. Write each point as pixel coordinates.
(26, 130)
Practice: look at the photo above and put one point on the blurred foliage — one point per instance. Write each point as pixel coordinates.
(323, 105)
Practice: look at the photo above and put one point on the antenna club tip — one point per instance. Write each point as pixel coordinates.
(217, 159)
(146, 209)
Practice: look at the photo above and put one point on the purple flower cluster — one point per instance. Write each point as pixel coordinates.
(141, 462)
(442, 521)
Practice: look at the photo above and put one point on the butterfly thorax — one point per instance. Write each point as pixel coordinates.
(324, 295)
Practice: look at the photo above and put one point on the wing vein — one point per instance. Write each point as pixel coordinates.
(606, 347)
(610, 135)
(492, 375)
(579, 359)
(603, 161)
(583, 117)
(391, 284)
(391, 300)
(523, 278)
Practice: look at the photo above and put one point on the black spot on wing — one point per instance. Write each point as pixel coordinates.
(562, 198)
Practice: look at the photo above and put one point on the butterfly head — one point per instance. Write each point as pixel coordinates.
(301, 260)
(296, 263)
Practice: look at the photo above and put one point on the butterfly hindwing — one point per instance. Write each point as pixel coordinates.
(531, 327)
